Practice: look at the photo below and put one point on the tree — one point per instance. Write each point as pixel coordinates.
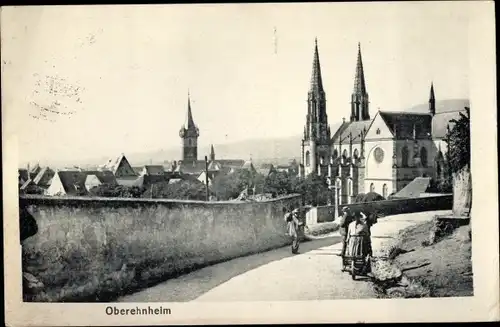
(278, 183)
(314, 189)
(458, 139)
(458, 159)
(116, 191)
(229, 186)
(182, 190)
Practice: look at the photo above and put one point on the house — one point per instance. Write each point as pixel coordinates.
(120, 167)
(248, 165)
(44, 177)
(153, 170)
(23, 176)
(78, 183)
(68, 182)
(266, 169)
(96, 178)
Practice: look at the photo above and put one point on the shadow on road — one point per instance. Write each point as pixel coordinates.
(190, 286)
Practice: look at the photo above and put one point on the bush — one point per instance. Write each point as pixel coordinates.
(116, 191)
(182, 190)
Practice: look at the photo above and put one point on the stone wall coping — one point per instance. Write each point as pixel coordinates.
(425, 198)
(31, 198)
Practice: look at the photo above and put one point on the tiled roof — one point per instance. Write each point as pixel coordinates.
(248, 165)
(26, 184)
(414, 188)
(138, 169)
(73, 182)
(105, 177)
(154, 169)
(231, 162)
(214, 165)
(192, 168)
(23, 174)
(354, 128)
(391, 117)
(44, 177)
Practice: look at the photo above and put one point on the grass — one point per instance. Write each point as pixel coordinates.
(442, 269)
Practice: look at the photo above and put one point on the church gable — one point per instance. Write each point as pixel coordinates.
(378, 129)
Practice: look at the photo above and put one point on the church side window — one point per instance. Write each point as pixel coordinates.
(423, 156)
(384, 191)
(356, 154)
(308, 158)
(372, 187)
(335, 153)
(404, 156)
(344, 153)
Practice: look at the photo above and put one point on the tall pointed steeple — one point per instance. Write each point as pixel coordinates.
(189, 124)
(189, 133)
(315, 144)
(359, 79)
(316, 80)
(212, 153)
(432, 101)
(359, 98)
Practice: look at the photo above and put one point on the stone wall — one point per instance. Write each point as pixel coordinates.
(97, 248)
(387, 207)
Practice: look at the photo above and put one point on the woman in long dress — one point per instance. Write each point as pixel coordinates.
(358, 238)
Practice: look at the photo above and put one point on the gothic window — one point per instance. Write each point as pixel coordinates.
(372, 187)
(344, 153)
(423, 157)
(356, 154)
(349, 187)
(404, 156)
(335, 153)
(308, 158)
(384, 191)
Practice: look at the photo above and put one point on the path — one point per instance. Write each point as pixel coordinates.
(278, 275)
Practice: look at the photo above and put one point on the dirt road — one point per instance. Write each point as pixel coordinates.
(277, 275)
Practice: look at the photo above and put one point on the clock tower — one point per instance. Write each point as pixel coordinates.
(189, 134)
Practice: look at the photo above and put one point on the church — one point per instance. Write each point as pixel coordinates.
(190, 164)
(379, 154)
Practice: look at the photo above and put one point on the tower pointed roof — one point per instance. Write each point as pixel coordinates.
(189, 124)
(316, 80)
(431, 96)
(359, 79)
(212, 151)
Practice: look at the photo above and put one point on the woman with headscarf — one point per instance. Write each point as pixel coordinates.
(358, 238)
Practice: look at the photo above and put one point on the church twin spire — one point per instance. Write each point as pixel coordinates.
(316, 86)
(359, 98)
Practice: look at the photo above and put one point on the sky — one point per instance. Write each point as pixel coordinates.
(90, 81)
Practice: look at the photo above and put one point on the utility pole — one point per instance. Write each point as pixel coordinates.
(206, 178)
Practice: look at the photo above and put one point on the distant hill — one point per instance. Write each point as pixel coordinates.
(276, 151)
(442, 106)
